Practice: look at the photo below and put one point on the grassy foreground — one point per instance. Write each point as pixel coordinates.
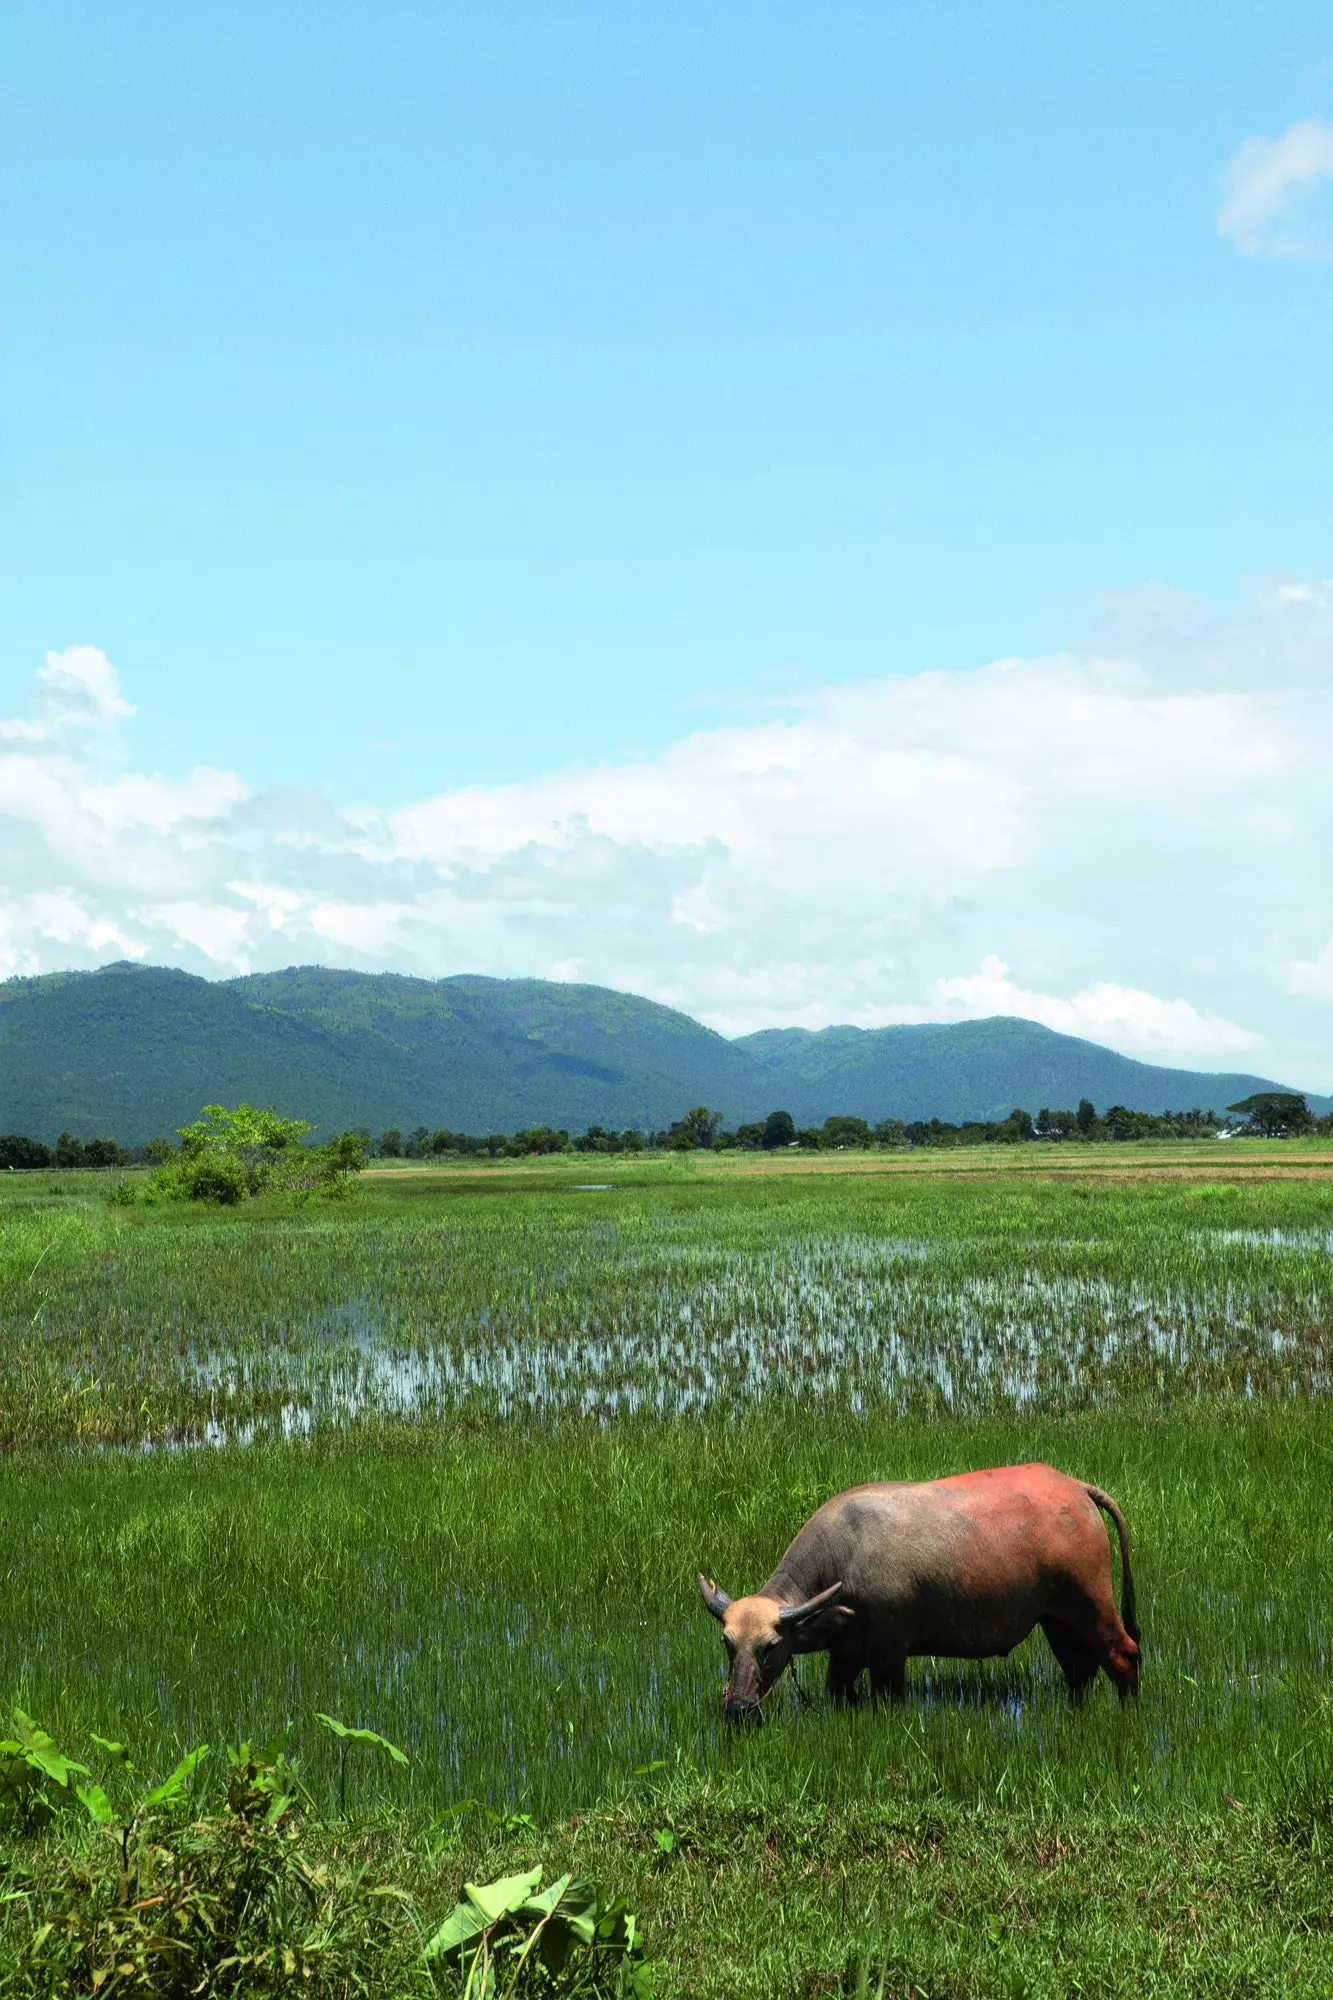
(494, 1568)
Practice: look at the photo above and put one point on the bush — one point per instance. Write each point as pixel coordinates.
(215, 1177)
(230, 1156)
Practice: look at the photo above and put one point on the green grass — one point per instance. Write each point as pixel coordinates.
(527, 1414)
(517, 1608)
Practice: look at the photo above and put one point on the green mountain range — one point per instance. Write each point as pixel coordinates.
(133, 1051)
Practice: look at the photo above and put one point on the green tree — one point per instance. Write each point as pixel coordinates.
(779, 1130)
(248, 1134)
(696, 1130)
(105, 1153)
(1086, 1116)
(230, 1156)
(1122, 1123)
(1272, 1114)
(391, 1144)
(16, 1150)
(540, 1139)
(845, 1132)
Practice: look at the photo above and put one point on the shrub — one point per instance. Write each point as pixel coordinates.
(228, 1157)
(214, 1177)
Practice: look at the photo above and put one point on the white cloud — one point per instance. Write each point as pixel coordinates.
(369, 929)
(81, 687)
(1267, 188)
(1122, 1015)
(1313, 975)
(218, 932)
(157, 803)
(1143, 830)
(278, 904)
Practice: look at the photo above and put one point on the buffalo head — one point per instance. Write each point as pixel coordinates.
(760, 1635)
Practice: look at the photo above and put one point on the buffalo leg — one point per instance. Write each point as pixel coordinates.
(888, 1678)
(844, 1670)
(1078, 1663)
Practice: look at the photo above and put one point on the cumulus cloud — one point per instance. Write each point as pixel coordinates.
(1139, 828)
(76, 688)
(1122, 1015)
(1267, 207)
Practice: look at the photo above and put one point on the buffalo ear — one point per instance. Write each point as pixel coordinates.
(715, 1600)
(824, 1630)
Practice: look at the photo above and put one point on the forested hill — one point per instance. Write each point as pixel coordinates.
(980, 1069)
(133, 1051)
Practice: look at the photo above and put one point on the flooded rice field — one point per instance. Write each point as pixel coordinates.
(214, 1334)
(487, 1445)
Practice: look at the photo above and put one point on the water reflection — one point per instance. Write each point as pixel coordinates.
(674, 1330)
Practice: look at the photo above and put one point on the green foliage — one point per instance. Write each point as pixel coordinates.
(36, 1778)
(227, 1157)
(837, 1132)
(228, 1904)
(368, 1739)
(540, 1139)
(697, 1129)
(1275, 1114)
(255, 1138)
(597, 1140)
(502, 1929)
(232, 1904)
(17, 1150)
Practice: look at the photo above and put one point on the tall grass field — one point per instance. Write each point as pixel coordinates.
(442, 1460)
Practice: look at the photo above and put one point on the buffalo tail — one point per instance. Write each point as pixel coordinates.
(1128, 1608)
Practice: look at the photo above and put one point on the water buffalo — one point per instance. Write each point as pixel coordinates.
(964, 1567)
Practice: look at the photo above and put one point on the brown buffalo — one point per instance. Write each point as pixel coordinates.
(963, 1567)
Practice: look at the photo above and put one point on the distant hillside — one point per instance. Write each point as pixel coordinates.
(978, 1069)
(133, 1051)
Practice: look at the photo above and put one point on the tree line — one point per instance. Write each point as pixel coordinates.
(1266, 1115)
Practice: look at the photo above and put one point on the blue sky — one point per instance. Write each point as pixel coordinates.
(422, 404)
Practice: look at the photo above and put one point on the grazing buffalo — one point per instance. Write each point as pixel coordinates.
(964, 1567)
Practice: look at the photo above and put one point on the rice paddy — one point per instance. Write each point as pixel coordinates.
(444, 1460)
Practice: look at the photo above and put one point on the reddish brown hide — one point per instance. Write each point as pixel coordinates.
(963, 1567)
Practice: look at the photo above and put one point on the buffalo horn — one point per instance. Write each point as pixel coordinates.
(715, 1600)
(795, 1615)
